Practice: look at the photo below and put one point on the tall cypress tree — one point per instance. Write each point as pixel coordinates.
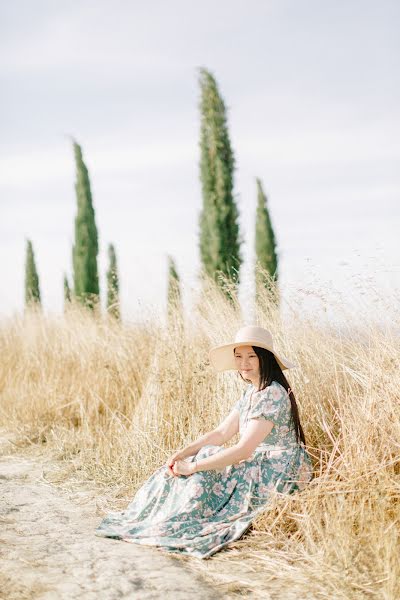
(32, 291)
(219, 227)
(112, 284)
(265, 245)
(67, 292)
(85, 249)
(174, 292)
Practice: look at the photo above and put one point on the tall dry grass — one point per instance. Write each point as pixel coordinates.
(113, 401)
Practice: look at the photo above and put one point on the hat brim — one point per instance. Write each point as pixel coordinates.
(222, 357)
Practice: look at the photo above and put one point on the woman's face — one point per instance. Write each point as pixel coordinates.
(247, 363)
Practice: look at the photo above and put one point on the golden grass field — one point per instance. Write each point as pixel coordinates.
(113, 401)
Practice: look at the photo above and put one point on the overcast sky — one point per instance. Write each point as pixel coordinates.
(312, 92)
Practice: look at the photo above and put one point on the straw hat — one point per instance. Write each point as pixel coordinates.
(222, 357)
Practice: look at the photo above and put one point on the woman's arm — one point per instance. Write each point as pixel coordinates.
(212, 437)
(256, 431)
(218, 436)
(228, 456)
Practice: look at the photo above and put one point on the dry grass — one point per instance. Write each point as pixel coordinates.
(114, 401)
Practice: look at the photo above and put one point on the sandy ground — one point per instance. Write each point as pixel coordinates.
(48, 549)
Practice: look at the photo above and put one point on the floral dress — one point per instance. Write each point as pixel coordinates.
(199, 514)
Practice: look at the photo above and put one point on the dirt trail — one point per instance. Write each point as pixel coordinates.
(48, 549)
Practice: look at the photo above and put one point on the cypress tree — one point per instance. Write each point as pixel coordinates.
(112, 284)
(32, 291)
(174, 292)
(67, 292)
(85, 249)
(265, 245)
(219, 228)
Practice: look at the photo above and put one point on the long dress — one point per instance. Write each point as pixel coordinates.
(199, 514)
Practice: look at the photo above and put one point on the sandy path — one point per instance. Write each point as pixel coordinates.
(48, 549)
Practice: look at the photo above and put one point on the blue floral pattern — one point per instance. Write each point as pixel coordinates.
(201, 513)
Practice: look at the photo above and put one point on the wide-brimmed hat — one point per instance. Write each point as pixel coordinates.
(222, 357)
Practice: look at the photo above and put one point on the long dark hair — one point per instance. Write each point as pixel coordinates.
(271, 371)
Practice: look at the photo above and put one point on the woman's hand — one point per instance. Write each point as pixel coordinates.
(183, 467)
(178, 455)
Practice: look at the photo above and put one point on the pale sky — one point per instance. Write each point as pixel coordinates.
(312, 90)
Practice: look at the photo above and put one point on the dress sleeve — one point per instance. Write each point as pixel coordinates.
(269, 404)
